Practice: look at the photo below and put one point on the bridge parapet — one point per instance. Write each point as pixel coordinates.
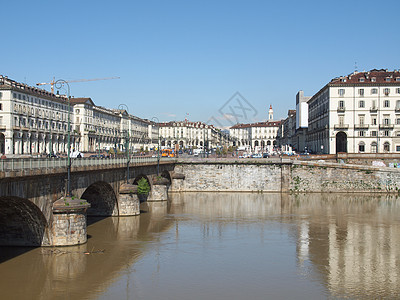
(14, 167)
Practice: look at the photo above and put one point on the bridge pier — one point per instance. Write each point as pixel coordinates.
(177, 182)
(159, 189)
(128, 202)
(69, 222)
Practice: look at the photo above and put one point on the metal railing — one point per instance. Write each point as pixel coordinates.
(20, 164)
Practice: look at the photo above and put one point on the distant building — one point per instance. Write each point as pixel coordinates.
(286, 133)
(188, 135)
(256, 137)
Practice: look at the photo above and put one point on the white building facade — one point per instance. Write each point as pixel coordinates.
(358, 113)
(34, 121)
(188, 135)
(256, 137)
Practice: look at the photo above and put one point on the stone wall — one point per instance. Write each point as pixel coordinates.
(286, 176)
(338, 178)
(233, 177)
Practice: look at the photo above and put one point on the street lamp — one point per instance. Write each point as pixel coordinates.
(58, 85)
(155, 120)
(124, 106)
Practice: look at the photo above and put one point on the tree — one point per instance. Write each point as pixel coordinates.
(143, 186)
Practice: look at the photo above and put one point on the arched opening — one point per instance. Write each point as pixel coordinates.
(22, 223)
(361, 147)
(256, 144)
(181, 144)
(373, 147)
(386, 147)
(102, 199)
(341, 142)
(166, 175)
(2, 143)
(269, 143)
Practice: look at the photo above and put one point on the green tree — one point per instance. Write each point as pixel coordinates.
(143, 186)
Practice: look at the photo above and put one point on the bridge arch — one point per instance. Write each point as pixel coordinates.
(102, 199)
(22, 223)
(167, 176)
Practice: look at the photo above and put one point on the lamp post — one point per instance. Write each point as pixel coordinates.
(124, 106)
(59, 84)
(156, 121)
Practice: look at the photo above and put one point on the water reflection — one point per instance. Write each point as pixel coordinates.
(225, 246)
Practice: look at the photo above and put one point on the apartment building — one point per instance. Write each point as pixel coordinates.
(256, 137)
(188, 134)
(357, 113)
(35, 121)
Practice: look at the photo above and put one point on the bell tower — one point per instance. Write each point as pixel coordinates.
(270, 114)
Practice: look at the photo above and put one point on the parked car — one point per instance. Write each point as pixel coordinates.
(257, 155)
(265, 155)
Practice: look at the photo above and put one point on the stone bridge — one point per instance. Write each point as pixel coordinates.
(35, 212)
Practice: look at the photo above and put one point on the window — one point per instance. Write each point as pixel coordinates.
(361, 133)
(387, 79)
(373, 79)
(397, 91)
(386, 103)
(341, 92)
(374, 91)
(1, 95)
(361, 80)
(361, 104)
(386, 133)
(398, 121)
(361, 92)
(361, 147)
(386, 91)
(373, 120)
(386, 120)
(341, 104)
(1, 106)
(373, 104)
(361, 119)
(386, 147)
(397, 148)
(14, 95)
(341, 120)
(373, 147)
(373, 133)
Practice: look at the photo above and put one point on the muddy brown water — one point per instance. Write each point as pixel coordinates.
(223, 246)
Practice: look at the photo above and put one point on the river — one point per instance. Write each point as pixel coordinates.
(223, 246)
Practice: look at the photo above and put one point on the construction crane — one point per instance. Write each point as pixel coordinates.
(76, 80)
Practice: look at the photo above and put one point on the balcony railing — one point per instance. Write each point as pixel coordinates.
(341, 126)
(19, 164)
(386, 126)
(341, 108)
(373, 109)
(361, 126)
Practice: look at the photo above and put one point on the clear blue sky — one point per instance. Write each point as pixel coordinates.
(179, 57)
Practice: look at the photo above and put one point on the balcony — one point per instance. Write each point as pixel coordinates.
(397, 109)
(386, 126)
(341, 109)
(373, 109)
(361, 126)
(341, 126)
